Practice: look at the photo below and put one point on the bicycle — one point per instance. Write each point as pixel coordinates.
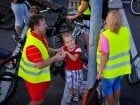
(8, 77)
(79, 32)
(135, 7)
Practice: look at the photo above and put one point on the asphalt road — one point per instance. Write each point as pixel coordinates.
(130, 94)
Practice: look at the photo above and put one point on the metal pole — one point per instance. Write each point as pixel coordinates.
(95, 27)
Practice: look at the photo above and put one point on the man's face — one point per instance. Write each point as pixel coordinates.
(42, 27)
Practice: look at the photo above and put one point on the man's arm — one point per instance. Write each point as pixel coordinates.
(52, 50)
(82, 8)
(47, 62)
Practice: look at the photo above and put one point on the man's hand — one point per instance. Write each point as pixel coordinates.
(71, 17)
(60, 56)
(39, 65)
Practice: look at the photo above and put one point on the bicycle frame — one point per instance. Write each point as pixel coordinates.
(134, 77)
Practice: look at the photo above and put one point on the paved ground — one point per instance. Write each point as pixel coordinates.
(130, 94)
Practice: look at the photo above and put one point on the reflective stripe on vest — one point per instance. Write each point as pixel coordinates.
(87, 11)
(31, 68)
(27, 70)
(119, 58)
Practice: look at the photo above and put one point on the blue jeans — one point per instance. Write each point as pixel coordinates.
(21, 13)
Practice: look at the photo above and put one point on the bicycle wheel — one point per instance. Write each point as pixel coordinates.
(57, 42)
(135, 7)
(8, 78)
(133, 77)
(7, 18)
(57, 67)
(8, 83)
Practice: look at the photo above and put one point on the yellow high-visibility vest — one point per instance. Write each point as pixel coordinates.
(27, 71)
(87, 11)
(28, 32)
(119, 58)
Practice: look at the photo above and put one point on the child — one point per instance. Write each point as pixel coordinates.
(34, 10)
(74, 67)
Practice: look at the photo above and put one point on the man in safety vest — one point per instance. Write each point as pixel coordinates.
(113, 58)
(34, 56)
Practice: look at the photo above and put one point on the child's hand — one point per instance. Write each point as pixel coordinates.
(85, 67)
(63, 54)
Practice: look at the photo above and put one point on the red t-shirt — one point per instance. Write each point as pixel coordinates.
(74, 65)
(32, 52)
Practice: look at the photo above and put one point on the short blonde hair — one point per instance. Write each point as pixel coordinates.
(66, 34)
(114, 20)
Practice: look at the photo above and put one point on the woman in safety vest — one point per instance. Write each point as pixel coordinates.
(113, 58)
(34, 56)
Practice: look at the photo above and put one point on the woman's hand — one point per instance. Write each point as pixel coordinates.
(99, 75)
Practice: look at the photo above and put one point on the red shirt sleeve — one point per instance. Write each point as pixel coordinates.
(33, 54)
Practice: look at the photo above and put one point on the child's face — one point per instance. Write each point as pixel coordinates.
(69, 42)
(32, 14)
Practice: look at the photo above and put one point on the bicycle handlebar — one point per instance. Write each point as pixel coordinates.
(81, 24)
(55, 10)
